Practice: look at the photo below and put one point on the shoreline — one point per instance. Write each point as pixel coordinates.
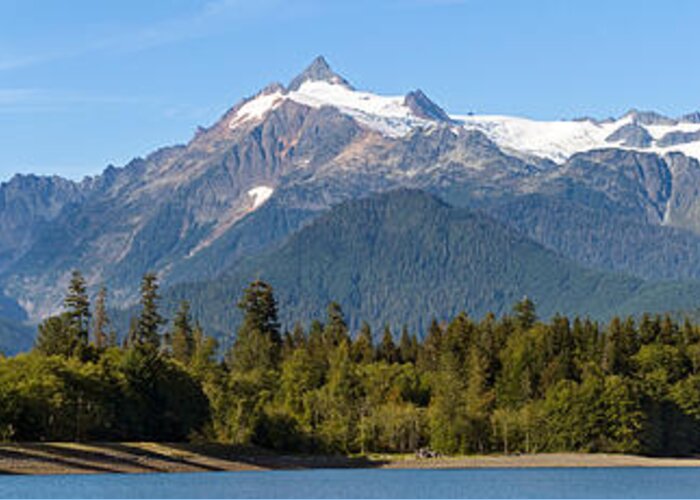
(144, 457)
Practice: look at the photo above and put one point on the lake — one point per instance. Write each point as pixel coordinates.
(369, 483)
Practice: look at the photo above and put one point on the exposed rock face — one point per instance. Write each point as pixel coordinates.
(691, 117)
(27, 202)
(637, 183)
(631, 135)
(318, 70)
(675, 138)
(423, 107)
(683, 208)
(650, 118)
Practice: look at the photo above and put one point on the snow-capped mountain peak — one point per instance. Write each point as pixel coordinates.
(319, 86)
(421, 106)
(318, 71)
(396, 116)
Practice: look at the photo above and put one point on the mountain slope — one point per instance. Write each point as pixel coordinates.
(26, 203)
(405, 257)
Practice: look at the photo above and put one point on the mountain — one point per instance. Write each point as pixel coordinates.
(277, 161)
(405, 257)
(180, 208)
(27, 202)
(318, 71)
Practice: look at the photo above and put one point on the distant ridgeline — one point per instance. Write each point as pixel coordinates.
(514, 384)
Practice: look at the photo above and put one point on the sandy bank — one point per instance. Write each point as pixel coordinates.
(82, 458)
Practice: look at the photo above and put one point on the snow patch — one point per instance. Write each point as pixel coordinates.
(256, 108)
(260, 195)
(386, 114)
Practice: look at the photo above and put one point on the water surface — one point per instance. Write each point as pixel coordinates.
(647, 482)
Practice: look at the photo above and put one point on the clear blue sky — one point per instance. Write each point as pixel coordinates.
(85, 83)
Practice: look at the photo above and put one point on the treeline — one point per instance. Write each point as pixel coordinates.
(514, 384)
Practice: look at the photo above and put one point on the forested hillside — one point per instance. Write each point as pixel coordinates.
(405, 257)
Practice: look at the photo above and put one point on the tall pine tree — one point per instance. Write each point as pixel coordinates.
(407, 347)
(258, 342)
(100, 321)
(149, 322)
(181, 338)
(525, 313)
(77, 306)
(363, 347)
(336, 330)
(386, 350)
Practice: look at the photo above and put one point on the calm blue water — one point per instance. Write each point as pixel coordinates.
(369, 483)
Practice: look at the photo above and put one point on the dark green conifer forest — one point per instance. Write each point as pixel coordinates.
(472, 385)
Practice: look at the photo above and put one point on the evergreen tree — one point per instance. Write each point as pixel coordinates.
(77, 306)
(363, 347)
(287, 344)
(429, 354)
(648, 329)
(386, 350)
(55, 336)
(339, 413)
(668, 331)
(447, 411)
(620, 345)
(407, 351)
(181, 338)
(149, 322)
(131, 339)
(204, 350)
(316, 346)
(336, 330)
(258, 342)
(525, 313)
(298, 336)
(478, 402)
(100, 321)
(260, 310)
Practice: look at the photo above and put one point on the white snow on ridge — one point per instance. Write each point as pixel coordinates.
(256, 108)
(554, 140)
(559, 140)
(320, 93)
(386, 114)
(260, 195)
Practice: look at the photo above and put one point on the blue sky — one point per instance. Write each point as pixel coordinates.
(87, 83)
